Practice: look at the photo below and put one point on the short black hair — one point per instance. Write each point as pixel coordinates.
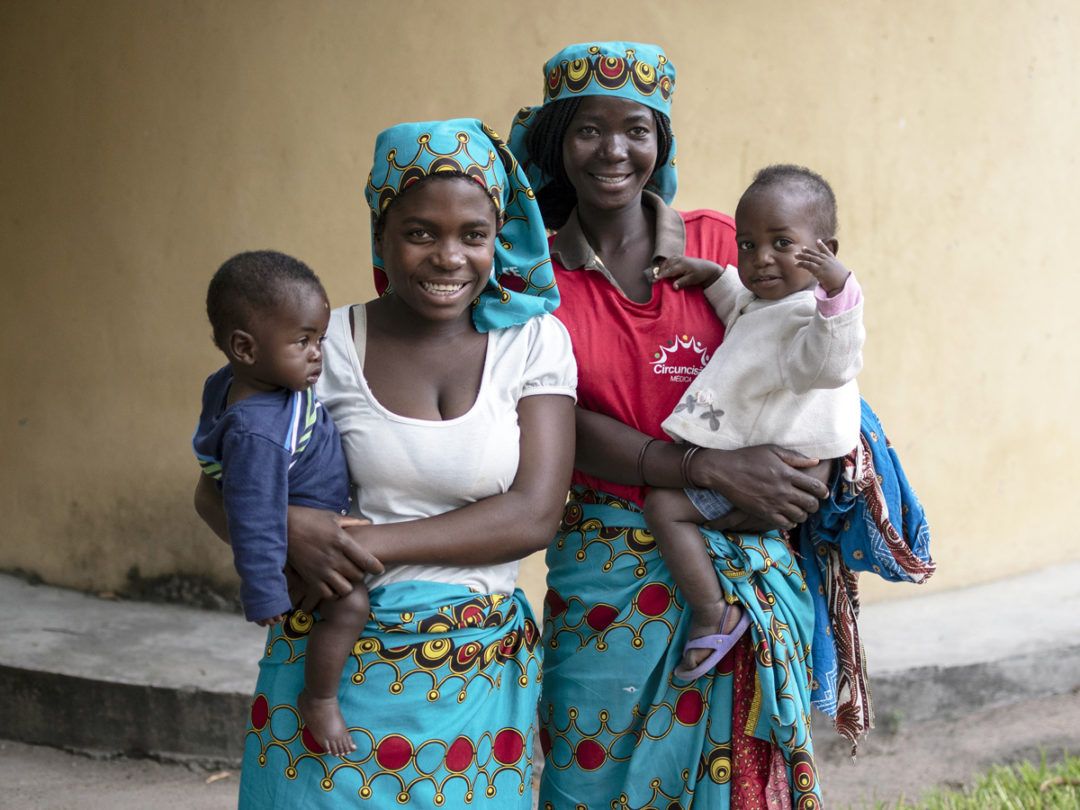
(544, 144)
(250, 284)
(817, 189)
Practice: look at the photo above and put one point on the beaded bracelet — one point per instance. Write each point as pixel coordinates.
(684, 467)
(641, 460)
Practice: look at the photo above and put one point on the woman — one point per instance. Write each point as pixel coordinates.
(618, 730)
(454, 399)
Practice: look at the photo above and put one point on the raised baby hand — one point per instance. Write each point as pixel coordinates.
(686, 271)
(825, 267)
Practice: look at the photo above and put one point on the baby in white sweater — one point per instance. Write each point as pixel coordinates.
(784, 375)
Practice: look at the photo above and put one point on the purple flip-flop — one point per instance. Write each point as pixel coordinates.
(720, 644)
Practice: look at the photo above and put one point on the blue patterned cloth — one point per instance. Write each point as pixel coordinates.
(873, 522)
(407, 153)
(630, 70)
(447, 709)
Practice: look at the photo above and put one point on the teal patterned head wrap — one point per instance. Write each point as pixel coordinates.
(407, 153)
(629, 70)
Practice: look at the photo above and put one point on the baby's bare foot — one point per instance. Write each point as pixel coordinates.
(323, 718)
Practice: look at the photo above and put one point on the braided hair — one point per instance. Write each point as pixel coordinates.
(544, 142)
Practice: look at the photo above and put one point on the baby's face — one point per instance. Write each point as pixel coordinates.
(771, 226)
(289, 341)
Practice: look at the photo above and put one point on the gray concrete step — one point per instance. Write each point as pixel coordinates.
(175, 682)
(943, 655)
(110, 675)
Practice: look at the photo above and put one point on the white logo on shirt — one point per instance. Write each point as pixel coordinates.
(681, 359)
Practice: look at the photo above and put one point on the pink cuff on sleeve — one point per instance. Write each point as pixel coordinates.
(850, 295)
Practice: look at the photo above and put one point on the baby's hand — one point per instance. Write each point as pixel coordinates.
(824, 266)
(687, 272)
(273, 621)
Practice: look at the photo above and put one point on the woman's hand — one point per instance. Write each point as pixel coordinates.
(323, 559)
(324, 556)
(770, 487)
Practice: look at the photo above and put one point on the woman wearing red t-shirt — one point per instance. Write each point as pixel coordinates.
(617, 727)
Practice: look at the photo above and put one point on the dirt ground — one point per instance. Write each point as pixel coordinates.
(895, 762)
(909, 760)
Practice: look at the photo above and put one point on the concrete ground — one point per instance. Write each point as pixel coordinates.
(960, 680)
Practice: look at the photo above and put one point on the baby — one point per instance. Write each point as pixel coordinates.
(269, 443)
(784, 375)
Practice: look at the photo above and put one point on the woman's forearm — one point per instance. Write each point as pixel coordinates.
(494, 530)
(616, 452)
(209, 506)
(765, 482)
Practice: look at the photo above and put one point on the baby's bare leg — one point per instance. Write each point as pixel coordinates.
(329, 644)
(675, 523)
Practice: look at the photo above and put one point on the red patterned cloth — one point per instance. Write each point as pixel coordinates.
(759, 778)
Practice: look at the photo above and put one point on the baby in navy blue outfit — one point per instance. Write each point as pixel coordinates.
(269, 443)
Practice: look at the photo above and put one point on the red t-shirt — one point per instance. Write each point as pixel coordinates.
(635, 360)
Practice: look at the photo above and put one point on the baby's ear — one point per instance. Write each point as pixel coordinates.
(833, 245)
(241, 347)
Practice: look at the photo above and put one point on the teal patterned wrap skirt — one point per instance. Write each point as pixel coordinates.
(440, 696)
(619, 730)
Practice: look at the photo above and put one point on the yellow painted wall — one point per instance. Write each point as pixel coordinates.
(144, 142)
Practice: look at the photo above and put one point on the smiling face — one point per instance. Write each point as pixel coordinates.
(772, 224)
(437, 244)
(609, 152)
(287, 342)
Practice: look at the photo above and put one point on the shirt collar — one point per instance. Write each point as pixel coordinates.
(573, 251)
